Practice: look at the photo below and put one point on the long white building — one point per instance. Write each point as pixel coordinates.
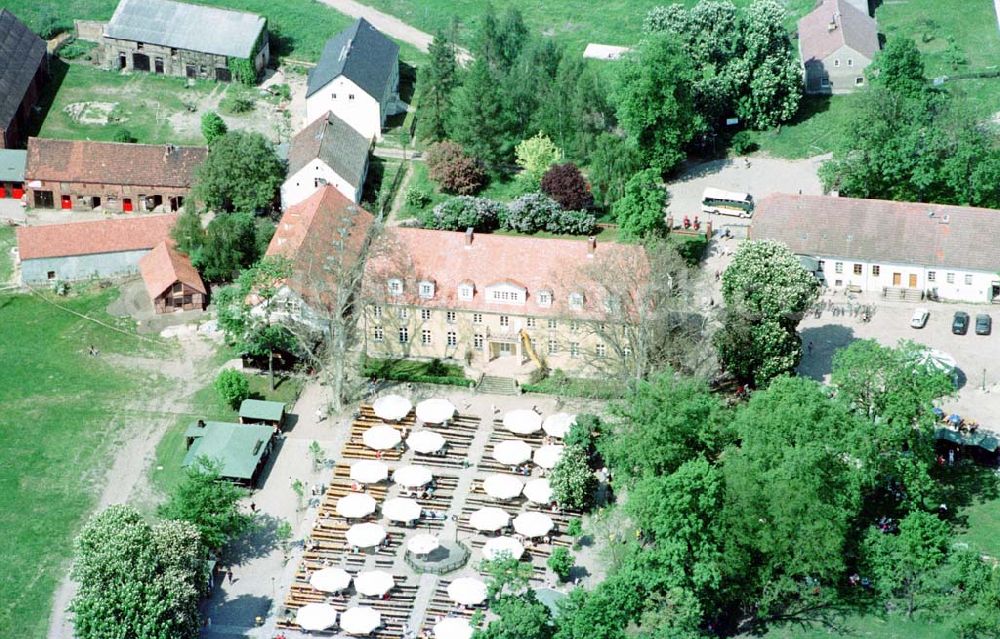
(894, 248)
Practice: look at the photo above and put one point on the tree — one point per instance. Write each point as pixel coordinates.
(241, 173)
(188, 233)
(612, 164)
(507, 576)
(521, 617)
(479, 121)
(210, 504)
(768, 69)
(233, 387)
(656, 103)
(535, 155)
(499, 42)
(454, 170)
(899, 67)
(756, 349)
(213, 127)
(232, 241)
(565, 184)
(436, 81)
(573, 108)
(136, 579)
(639, 212)
(573, 483)
(561, 562)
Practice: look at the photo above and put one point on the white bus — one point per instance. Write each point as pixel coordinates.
(727, 203)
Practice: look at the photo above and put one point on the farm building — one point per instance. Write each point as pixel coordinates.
(241, 450)
(186, 40)
(81, 250)
(357, 78)
(837, 42)
(258, 411)
(171, 280)
(328, 151)
(109, 176)
(23, 66)
(12, 173)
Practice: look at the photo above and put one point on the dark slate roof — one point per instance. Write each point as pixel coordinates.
(21, 51)
(186, 26)
(362, 54)
(928, 235)
(335, 142)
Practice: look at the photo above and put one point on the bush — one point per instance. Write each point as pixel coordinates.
(283, 91)
(561, 563)
(581, 433)
(531, 213)
(454, 170)
(417, 197)
(213, 127)
(233, 387)
(73, 49)
(572, 481)
(237, 100)
(565, 184)
(436, 368)
(572, 223)
(574, 528)
(743, 143)
(124, 135)
(459, 213)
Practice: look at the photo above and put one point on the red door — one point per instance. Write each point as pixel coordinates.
(3, 192)
(67, 202)
(127, 205)
(18, 193)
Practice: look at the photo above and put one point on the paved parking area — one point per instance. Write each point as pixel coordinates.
(978, 356)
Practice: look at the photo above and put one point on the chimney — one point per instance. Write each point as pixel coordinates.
(591, 246)
(833, 23)
(468, 237)
(167, 150)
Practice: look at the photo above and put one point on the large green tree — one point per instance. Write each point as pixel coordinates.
(211, 504)
(639, 212)
(436, 81)
(573, 482)
(241, 173)
(232, 241)
(480, 121)
(899, 67)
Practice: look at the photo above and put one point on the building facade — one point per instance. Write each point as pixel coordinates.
(185, 40)
(898, 249)
(12, 173)
(837, 42)
(23, 70)
(328, 151)
(114, 177)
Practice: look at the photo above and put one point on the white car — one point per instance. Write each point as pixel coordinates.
(919, 319)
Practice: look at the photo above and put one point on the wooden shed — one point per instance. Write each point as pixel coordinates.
(172, 281)
(240, 450)
(258, 411)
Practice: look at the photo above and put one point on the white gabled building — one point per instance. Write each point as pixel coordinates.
(328, 151)
(899, 249)
(357, 79)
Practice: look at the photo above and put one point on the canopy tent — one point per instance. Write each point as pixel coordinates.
(365, 535)
(412, 476)
(986, 441)
(374, 583)
(489, 519)
(468, 591)
(355, 505)
(533, 524)
(316, 616)
(435, 411)
(512, 452)
(392, 408)
(360, 620)
(401, 509)
(425, 441)
(548, 455)
(423, 544)
(538, 491)
(558, 425)
(522, 421)
(500, 546)
(381, 437)
(369, 471)
(503, 486)
(453, 628)
(330, 579)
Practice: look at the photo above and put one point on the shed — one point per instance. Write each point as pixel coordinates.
(12, 172)
(171, 280)
(241, 449)
(258, 411)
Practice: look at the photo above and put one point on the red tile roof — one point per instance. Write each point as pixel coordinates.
(164, 266)
(99, 236)
(560, 266)
(113, 162)
(853, 28)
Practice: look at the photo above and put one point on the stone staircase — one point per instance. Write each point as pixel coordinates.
(497, 385)
(901, 293)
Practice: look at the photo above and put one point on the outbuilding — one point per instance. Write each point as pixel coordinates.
(837, 42)
(171, 280)
(241, 450)
(12, 173)
(258, 411)
(328, 151)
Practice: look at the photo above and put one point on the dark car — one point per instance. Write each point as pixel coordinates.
(984, 324)
(960, 324)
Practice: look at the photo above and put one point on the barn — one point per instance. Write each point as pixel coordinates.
(23, 67)
(172, 281)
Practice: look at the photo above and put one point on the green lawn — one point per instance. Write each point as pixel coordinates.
(61, 409)
(814, 131)
(7, 241)
(865, 627)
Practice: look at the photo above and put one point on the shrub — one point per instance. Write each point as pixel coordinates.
(459, 213)
(124, 135)
(574, 528)
(454, 170)
(436, 368)
(283, 91)
(531, 213)
(213, 127)
(581, 433)
(561, 563)
(743, 143)
(418, 197)
(565, 184)
(237, 100)
(572, 223)
(233, 387)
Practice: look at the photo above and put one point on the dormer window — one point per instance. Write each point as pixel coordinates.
(395, 286)
(576, 301)
(426, 289)
(612, 304)
(545, 298)
(506, 293)
(466, 291)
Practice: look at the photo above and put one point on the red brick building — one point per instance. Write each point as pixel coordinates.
(110, 176)
(171, 280)
(23, 66)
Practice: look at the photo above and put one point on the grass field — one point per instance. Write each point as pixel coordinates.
(813, 132)
(6, 259)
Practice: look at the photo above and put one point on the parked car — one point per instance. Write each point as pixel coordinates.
(919, 319)
(984, 324)
(960, 324)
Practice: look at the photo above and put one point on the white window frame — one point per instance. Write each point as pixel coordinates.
(466, 292)
(968, 279)
(425, 314)
(477, 318)
(378, 334)
(574, 349)
(545, 298)
(395, 286)
(530, 322)
(950, 277)
(450, 317)
(931, 276)
(425, 337)
(576, 301)
(426, 289)
(601, 351)
(404, 335)
(452, 338)
(553, 324)
(477, 341)
(553, 347)
(505, 320)
(838, 267)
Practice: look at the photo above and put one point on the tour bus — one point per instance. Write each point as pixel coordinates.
(727, 203)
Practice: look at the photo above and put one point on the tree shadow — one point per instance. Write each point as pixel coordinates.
(281, 44)
(373, 182)
(240, 611)
(967, 484)
(262, 539)
(407, 82)
(265, 473)
(58, 69)
(819, 344)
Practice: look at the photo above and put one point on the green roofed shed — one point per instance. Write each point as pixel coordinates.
(257, 411)
(241, 448)
(986, 441)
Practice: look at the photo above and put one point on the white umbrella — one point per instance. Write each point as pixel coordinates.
(360, 620)
(355, 505)
(412, 476)
(369, 471)
(435, 411)
(392, 407)
(467, 590)
(548, 455)
(365, 535)
(531, 524)
(558, 425)
(316, 616)
(381, 437)
(401, 509)
(512, 452)
(425, 441)
(538, 491)
(453, 628)
(499, 546)
(489, 518)
(374, 583)
(503, 486)
(330, 579)
(423, 544)
(522, 421)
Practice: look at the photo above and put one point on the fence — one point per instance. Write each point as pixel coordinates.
(442, 568)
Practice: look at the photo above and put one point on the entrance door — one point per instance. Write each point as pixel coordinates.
(158, 65)
(897, 279)
(44, 200)
(18, 191)
(122, 61)
(913, 280)
(222, 74)
(127, 204)
(191, 71)
(66, 202)
(140, 62)
(504, 349)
